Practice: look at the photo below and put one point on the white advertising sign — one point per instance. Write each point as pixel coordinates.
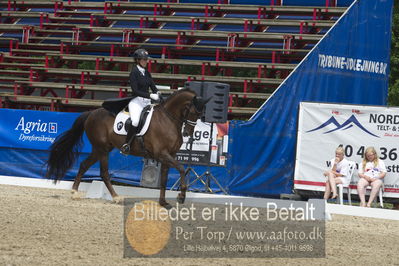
(206, 148)
(323, 127)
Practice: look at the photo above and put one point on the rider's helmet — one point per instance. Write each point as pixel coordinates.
(140, 54)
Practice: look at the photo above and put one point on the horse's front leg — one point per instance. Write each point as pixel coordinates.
(164, 181)
(168, 159)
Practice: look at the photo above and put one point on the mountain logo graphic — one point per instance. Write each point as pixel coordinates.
(349, 123)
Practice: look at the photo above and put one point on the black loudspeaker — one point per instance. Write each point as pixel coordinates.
(217, 108)
(151, 174)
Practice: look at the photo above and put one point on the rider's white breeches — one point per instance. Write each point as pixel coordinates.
(136, 105)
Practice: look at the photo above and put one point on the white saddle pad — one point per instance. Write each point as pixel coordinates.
(120, 120)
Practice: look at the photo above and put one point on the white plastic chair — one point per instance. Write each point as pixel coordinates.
(380, 194)
(341, 187)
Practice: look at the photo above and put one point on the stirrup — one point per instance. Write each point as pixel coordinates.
(125, 150)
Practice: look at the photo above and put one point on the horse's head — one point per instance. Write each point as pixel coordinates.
(192, 113)
(186, 107)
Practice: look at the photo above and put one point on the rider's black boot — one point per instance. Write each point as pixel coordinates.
(132, 131)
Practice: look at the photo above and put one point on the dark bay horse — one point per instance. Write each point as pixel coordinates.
(162, 140)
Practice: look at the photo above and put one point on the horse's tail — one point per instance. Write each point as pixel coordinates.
(65, 149)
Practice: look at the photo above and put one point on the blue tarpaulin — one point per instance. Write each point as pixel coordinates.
(349, 65)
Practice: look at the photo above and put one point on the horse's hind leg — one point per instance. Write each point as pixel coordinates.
(84, 166)
(105, 176)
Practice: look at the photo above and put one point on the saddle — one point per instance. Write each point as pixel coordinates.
(143, 118)
(118, 107)
(123, 121)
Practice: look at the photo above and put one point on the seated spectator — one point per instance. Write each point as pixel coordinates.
(371, 173)
(337, 174)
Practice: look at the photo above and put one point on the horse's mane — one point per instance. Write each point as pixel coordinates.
(178, 92)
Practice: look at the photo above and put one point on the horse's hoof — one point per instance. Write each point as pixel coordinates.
(75, 195)
(180, 199)
(117, 199)
(166, 205)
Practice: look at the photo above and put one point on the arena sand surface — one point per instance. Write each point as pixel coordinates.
(46, 227)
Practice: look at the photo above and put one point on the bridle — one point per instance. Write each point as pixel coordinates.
(186, 112)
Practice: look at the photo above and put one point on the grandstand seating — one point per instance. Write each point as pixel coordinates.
(70, 55)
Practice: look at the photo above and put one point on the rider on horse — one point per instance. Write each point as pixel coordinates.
(140, 81)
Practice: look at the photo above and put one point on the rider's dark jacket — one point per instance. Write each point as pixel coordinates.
(140, 83)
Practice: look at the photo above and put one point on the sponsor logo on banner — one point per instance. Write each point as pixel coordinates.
(352, 64)
(350, 122)
(36, 131)
(52, 128)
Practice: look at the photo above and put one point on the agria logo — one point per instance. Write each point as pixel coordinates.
(349, 123)
(38, 127)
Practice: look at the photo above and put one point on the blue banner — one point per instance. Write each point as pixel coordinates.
(349, 65)
(26, 136)
(32, 130)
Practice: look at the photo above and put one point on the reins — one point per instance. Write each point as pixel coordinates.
(184, 121)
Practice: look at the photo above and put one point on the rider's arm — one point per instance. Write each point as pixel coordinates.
(152, 85)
